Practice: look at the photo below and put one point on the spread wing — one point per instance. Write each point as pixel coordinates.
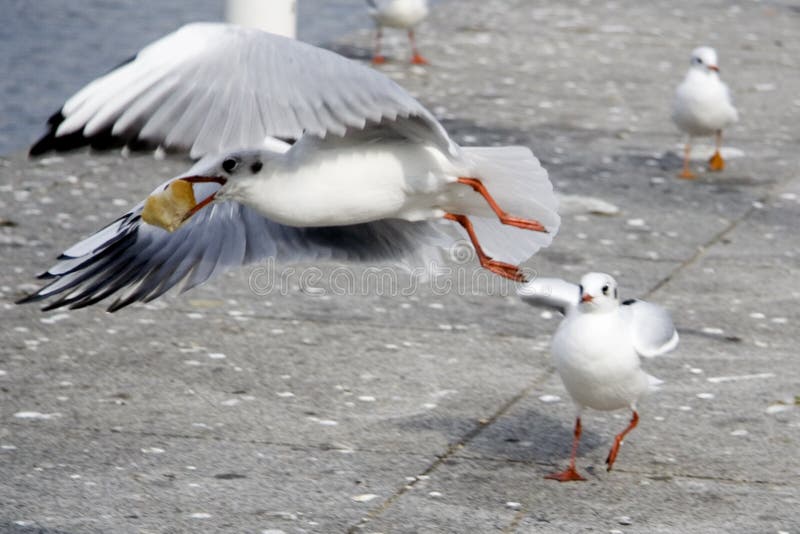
(652, 329)
(212, 87)
(144, 261)
(551, 293)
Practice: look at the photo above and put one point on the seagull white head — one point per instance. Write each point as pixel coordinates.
(704, 58)
(211, 179)
(599, 293)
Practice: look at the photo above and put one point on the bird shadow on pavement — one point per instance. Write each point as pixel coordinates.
(526, 436)
(728, 180)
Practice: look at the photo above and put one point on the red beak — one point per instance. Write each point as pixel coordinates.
(203, 203)
(586, 298)
(714, 68)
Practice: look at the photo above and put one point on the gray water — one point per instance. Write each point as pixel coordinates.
(51, 48)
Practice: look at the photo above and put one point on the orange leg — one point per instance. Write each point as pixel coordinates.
(570, 473)
(505, 218)
(686, 173)
(416, 58)
(612, 455)
(377, 58)
(716, 163)
(503, 269)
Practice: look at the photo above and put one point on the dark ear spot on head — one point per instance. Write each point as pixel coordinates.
(256, 166)
(616, 293)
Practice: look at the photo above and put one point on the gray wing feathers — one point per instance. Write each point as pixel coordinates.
(209, 88)
(652, 329)
(143, 261)
(551, 293)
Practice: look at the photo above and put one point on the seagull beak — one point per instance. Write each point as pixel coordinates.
(177, 202)
(714, 68)
(586, 297)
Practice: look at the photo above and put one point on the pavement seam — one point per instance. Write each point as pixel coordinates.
(77, 431)
(450, 451)
(705, 247)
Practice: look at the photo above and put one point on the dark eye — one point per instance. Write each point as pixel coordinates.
(229, 165)
(605, 290)
(256, 166)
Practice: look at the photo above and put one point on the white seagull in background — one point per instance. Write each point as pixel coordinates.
(403, 14)
(702, 106)
(370, 177)
(597, 346)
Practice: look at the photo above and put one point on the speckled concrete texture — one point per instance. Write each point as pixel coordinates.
(235, 409)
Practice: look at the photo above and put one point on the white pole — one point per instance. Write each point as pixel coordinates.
(274, 16)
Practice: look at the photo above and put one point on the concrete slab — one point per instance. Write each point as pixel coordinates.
(300, 409)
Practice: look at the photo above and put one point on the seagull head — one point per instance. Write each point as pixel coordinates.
(212, 179)
(599, 293)
(704, 58)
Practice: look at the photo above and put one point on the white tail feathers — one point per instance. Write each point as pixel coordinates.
(519, 184)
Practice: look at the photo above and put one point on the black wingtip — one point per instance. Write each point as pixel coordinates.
(54, 305)
(48, 141)
(27, 299)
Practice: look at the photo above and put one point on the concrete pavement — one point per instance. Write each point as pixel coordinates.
(230, 409)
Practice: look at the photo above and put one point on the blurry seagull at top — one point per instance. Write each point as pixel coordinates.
(371, 176)
(702, 106)
(597, 346)
(403, 14)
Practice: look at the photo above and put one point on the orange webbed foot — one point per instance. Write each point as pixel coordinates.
(378, 60)
(568, 475)
(686, 174)
(506, 270)
(417, 59)
(716, 163)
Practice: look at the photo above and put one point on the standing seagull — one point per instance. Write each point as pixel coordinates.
(403, 14)
(702, 106)
(597, 346)
(370, 177)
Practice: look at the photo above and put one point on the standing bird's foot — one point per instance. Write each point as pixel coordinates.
(378, 59)
(417, 59)
(686, 174)
(716, 163)
(568, 475)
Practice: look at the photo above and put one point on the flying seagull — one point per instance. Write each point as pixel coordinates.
(702, 106)
(403, 14)
(371, 176)
(597, 347)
